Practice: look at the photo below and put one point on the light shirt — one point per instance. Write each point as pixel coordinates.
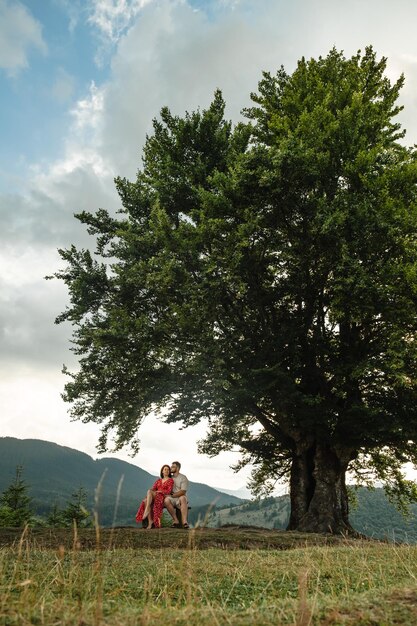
(180, 483)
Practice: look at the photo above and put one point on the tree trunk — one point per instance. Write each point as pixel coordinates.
(319, 500)
(301, 486)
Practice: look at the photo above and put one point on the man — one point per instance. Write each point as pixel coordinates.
(178, 497)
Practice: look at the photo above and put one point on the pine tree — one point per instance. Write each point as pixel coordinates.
(15, 504)
(56, 517)
(76, 510)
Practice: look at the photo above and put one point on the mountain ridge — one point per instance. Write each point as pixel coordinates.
(53, 472)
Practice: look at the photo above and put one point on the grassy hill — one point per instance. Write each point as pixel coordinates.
(54, 472)
(244, 577)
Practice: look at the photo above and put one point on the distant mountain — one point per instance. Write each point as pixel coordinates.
(373, 516)
(54, 472)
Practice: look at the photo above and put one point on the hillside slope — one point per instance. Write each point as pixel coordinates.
(54, 472)
(373, 516)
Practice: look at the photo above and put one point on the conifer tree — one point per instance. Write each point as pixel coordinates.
(55, 517)
(76, 510)
(15, 503)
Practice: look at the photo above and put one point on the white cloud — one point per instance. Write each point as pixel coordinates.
(42, 217)
(174, 55)
(29, 338)
(38, 224)
(112, 17)
(19, 32)
(87, 112)
(33, 225)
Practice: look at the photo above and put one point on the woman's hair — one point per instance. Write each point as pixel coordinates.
(161, 473)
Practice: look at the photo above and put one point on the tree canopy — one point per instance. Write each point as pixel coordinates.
(263, 277)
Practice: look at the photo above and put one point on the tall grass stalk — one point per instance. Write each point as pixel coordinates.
(116, 508)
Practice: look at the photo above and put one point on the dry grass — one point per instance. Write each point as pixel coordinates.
(347, 583)
(227, 537)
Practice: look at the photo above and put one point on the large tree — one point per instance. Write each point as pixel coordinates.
(264, 277)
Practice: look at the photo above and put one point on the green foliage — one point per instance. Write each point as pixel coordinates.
(263, 277)
(76, 512)
(15, 503)
(55, 517)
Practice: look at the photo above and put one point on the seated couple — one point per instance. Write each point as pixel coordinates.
(170, 491)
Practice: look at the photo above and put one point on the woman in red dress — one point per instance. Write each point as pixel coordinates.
(152, 506)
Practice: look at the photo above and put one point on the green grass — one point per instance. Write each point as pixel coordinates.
(365, 583)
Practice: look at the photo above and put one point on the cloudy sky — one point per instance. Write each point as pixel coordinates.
(80, 83)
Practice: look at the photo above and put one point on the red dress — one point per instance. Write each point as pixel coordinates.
(163, 489)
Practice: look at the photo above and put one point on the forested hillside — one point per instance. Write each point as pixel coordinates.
(377, 517)
(54, 472)
(373, 515)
